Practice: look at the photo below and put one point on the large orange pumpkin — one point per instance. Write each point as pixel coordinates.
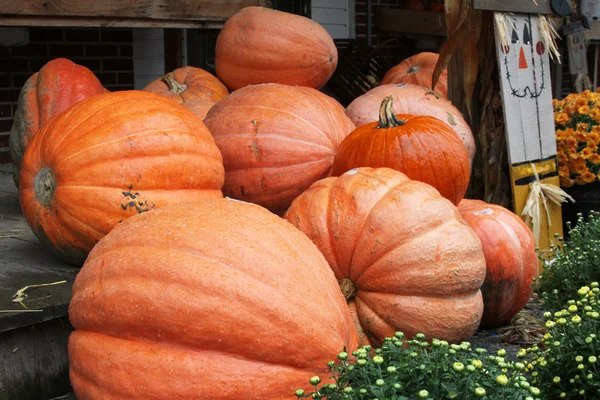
(188, 84)
(512, 263)
(261, 45)
(108, 158)
(424, 148)
(414, 100)
(199, 107)
(404, 258)
(276, 141)
(418, 70)
(58, 85)
(215, 300)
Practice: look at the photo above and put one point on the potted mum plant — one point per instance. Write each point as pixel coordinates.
(577, 122)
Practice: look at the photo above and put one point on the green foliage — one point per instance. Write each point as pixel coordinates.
(567, 362)
(572, 265)
(415, 369)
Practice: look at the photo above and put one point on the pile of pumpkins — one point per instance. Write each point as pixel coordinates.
(233, 243)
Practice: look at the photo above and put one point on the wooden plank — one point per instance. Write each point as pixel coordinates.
(154, 9)
(89, 22)
(514, 6)
(34, 362)
(410, 21)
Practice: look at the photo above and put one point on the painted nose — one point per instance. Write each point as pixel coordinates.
(522, 60)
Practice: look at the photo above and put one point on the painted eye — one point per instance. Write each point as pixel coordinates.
(515, 36)
(526, 34)
(540, 48)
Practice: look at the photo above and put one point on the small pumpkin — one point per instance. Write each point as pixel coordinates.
(204, 301)
(58, 85)
(424, 148)
(418, 70)
(188, 84)
(404, 258)
(110, 157)
(262, 45)
(414, 100)
(512, 263)
(276, 141)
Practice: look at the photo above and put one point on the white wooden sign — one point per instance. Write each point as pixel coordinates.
(591, 9)
(524, 69)
(577, 53)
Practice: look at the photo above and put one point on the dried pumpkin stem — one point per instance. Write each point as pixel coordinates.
(348, 288)
(172, 83)
(387, 118)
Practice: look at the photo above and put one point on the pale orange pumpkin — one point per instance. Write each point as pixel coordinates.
(262, 45)
(512, 262)
(188, 84)
(276, 141)
(418, 70)
(403, 256)
(204, 301)
(414, 100)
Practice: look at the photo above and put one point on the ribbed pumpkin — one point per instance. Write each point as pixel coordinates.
(414, 100)
(276, 141)
(424, 148)
(404, 258)
(204, 301)
(418, 70)
(512, 263)
(261, 45)
(58, 85)
(188, 84)
(108, 158)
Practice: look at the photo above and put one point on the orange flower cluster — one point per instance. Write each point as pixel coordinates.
(577, 120)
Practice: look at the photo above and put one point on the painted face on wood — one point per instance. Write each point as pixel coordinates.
(523, 66)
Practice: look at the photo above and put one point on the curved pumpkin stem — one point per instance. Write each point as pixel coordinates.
(172, 83)
(387, 118)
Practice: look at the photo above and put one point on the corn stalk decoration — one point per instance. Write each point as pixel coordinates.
(504, 89)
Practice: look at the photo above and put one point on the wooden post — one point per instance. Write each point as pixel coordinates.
(529, 116)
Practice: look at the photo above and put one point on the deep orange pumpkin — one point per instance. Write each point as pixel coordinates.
(204, 301)
(414, 5)
(188, 84)
(414, 100)
(108, 158)
(424, 148)
(261, 45)
(276, 141)
(404, 258)
(436, 6)
(58, 85)
(418, 70)
(512, 263)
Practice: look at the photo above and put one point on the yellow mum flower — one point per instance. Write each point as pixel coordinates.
(583, 127)
(588, 177)
(572, 143)
(595, 159)
(564, 171)
(592, 145)
(583, 110)
(561, 118)
(580, 102)
(587, 153)
(562, 158)
(581, 169)
(581, 136)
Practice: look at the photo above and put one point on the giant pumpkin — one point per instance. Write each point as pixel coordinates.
(108, 158)
(276, 141)
(414, 100)
(424, 148)
(188, 84)
(215, 300)
(404, 258)
(261, 45)
(199, 107)
(418, 70)
(58, 85)
(512, 263)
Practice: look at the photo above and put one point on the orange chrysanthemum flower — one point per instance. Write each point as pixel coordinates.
(583, 110)
(572, 143)
(588, 177)
(566, 182)
(587, 153)
(581, 101)
(564, 171)
(561, 118)
(595, 159)
(592, 145)
(583, 127)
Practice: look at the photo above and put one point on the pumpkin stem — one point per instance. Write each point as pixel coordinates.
(173, 85)
(387, 118)
(414, 68)
(44, 186)
(348, 288)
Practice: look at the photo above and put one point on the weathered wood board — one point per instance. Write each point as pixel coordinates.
(524, 70)
(514, 6)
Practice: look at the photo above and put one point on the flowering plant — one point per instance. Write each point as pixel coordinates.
(577, 121)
